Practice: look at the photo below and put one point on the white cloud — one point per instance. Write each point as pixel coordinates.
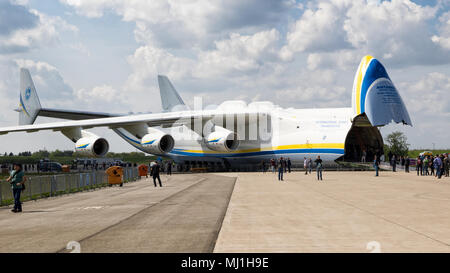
(49, 83)
(429, 95)
(103, 93)
(397, 31)
(239, 53)
(236, 55)
(178, 23)
(319, 29)
(443, 39)
(41, 30)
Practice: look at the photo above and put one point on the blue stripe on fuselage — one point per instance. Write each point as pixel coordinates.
(287, 151)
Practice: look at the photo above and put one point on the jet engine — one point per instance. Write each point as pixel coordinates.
(92, 145)
(158, 142)
(222, 140)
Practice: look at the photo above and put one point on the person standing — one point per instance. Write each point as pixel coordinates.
(319, 167)
(272, 164)
(169, 168)
(442, 164)
(305, 165)
(363, 158)
(17, 180)
(263, 166)
(446, 165)
(394, 163)
(419, 166)
(280, 169)
(310, 163)
(407, 162)
(155, 173)
(437, 162)
(376, 165)
(431, 165)
(289, 164)
(425, 166)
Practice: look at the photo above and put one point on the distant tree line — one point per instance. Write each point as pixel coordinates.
(67, 156)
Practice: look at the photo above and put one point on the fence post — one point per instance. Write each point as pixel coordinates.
(29, 189)
(51, 185)
(40, 188)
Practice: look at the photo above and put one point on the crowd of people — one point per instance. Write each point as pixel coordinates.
(434, 165)
(426, 165)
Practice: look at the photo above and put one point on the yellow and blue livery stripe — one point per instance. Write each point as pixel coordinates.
(369, 70)
(214, 140)
(82, 146)
(149, 142)
(329, 148)
(22, 105)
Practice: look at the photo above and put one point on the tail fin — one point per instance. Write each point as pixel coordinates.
(375, 95)
(29, 101)
(170, 99)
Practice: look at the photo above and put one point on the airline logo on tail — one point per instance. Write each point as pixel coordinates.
(28, 93)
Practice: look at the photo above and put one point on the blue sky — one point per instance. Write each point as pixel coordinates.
(105, 55)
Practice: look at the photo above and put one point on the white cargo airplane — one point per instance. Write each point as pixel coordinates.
(235, 134)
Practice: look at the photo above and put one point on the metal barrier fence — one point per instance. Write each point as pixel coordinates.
(51, 185)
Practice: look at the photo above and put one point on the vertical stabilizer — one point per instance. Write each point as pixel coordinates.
(29, 104)
(170, 99)
(375, 95)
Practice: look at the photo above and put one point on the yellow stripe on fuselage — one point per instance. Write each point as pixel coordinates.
(276, 148)
(361, 70)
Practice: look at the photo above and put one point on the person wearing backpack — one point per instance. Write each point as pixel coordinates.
(17, 180)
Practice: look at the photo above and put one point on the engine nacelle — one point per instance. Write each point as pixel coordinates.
(158, 142)
(222, 140)
(92, 145)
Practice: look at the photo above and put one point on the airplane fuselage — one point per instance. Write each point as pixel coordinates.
(291, 133)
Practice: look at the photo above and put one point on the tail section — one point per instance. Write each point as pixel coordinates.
(375, 95)
(29, 104)
(170, 98)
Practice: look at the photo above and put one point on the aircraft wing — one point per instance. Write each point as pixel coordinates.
(157, 119)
